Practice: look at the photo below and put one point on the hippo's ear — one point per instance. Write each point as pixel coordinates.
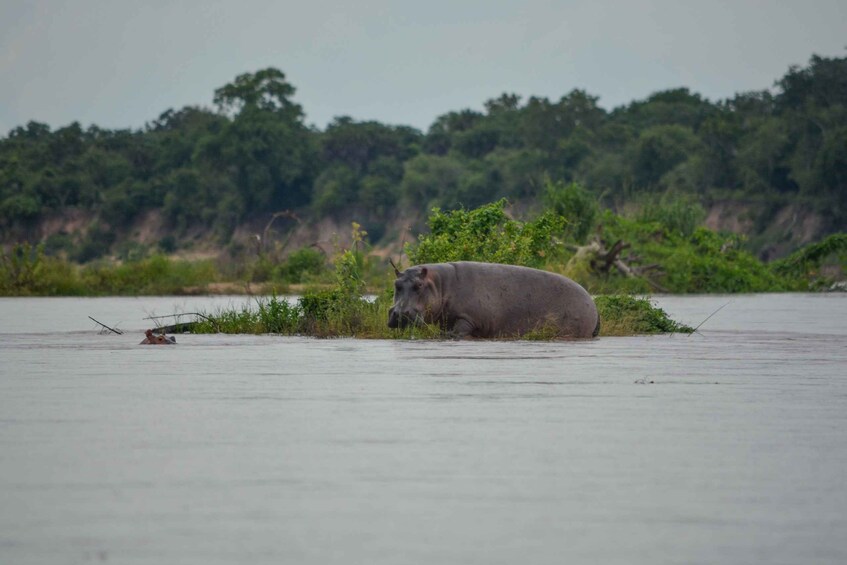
(423, 272)
(396, 270)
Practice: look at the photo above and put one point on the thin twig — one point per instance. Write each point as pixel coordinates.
(207, 318)
(113, 330)
(707, 318)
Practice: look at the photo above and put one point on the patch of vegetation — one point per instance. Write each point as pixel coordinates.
(302, 266)
(575, 203)
(153, 275)
(487, 234)
(660, 249)
(323, 314)
(806, 264)
(629, 315)
(26, 271)
(663, 247)
(701, 262)
(273, 315)
(677, 214)
(326, 314)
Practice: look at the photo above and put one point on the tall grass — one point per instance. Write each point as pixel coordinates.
(26, 271)
(322, 314)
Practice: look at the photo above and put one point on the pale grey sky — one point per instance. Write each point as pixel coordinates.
(120, 64)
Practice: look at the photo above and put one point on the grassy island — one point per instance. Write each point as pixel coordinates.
(329, 314)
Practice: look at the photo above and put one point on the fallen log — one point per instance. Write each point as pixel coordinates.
(181, 327)
(601, 259)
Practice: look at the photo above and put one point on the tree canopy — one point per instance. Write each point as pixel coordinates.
(253, 155)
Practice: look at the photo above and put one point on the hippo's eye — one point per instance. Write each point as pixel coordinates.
(418, 286)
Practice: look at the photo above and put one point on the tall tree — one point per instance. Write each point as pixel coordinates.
(271, 151)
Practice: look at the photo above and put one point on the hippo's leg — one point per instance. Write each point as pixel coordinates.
(461, 329)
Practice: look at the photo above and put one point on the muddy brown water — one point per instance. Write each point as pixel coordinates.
(729, 446)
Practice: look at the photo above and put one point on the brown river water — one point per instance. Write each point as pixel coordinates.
(728, 446)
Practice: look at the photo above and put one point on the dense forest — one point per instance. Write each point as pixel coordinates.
(208, 171)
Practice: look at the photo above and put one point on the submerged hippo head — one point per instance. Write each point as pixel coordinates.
(415, 298)
(151, 339)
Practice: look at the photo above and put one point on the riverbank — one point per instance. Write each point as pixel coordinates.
(627, 255)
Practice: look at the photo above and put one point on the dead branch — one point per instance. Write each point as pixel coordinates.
(113, 330)
(603, 258)
(180, 327)
(267, 230)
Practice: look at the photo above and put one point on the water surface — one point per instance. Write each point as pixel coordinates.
(729, 446)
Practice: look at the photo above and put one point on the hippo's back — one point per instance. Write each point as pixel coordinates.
(507, 300)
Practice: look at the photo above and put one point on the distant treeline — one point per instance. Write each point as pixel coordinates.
(255, 154)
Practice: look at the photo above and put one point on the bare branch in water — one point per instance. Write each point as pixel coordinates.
(174, 327)
(113, 330)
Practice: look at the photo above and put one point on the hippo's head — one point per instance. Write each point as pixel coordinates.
(151, 339)
(415, 298)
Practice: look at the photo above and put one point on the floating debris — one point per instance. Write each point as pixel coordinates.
(105, 327)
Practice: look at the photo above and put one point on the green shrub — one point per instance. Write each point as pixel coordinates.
(804, 265)
(97, 243)
(677, 214)
(574, 203)
(153, 275)
(20, 207)
(278, 316)
(487, 234)
(317, 305)
(261, 269)
(25, 270)
(301, 266)
(628, 315)
(704, 261)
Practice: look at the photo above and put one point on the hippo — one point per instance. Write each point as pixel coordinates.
(151, 339)
(487, 300)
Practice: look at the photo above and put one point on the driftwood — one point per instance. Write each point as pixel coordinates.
(113, 330)
(180, 327)
(602, 258)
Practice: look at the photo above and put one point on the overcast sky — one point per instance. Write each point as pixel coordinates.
(120, 64)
